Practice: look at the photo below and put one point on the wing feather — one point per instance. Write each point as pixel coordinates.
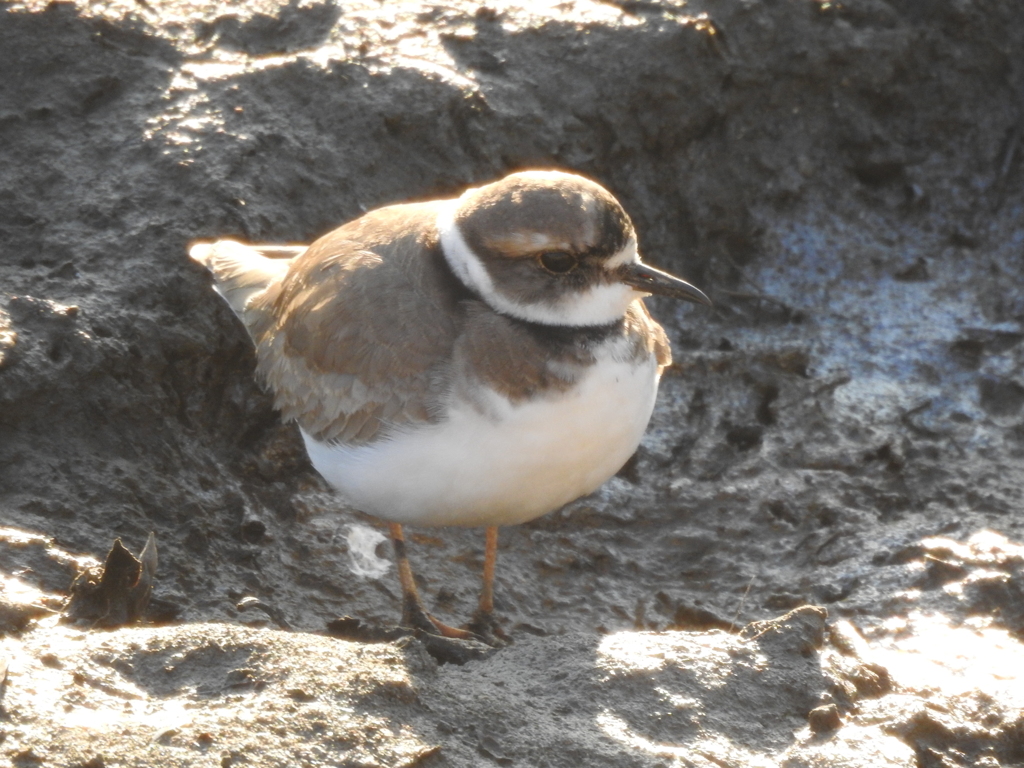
(362, 328)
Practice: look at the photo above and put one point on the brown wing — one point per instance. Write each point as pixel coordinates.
(357, 338)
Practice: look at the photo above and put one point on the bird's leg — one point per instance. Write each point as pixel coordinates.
(490, 560)
(414, 615)
(483, 620)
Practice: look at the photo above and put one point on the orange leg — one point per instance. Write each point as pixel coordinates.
(483, 623)
(490, 560)
(414, 615)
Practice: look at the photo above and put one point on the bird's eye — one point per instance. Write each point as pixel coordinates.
(558, 262)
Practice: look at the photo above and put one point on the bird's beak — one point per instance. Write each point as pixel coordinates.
(650, 280)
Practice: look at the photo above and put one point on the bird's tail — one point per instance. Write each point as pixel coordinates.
(242, 271)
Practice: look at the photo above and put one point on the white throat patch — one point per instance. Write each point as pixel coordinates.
(598, 305)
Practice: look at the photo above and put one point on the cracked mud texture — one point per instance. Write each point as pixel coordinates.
(845, 429)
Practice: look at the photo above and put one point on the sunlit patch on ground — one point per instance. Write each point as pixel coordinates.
(955, 654)
(903, 687)
(707, 751)
(183, 693)
(930, 653)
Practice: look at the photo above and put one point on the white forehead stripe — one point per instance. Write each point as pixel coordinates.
(598, 305)
(627, 255)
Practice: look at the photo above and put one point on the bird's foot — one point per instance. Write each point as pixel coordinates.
(486, 629)
(415, 616)
(448, 645)
(445, 650)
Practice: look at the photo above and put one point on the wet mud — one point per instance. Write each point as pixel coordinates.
(839, 442)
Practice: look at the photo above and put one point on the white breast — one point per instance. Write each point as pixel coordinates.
(509, 465)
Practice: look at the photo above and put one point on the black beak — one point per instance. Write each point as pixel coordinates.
(651, 280)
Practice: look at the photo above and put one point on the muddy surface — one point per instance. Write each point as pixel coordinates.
(845, 429)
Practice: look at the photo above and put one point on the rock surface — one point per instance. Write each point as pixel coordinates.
(845, 429)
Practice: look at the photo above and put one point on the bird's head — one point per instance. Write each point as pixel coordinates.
(552, 248)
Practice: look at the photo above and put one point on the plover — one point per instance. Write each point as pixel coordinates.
(477, 361)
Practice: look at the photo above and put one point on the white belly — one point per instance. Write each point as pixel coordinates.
(506, 466)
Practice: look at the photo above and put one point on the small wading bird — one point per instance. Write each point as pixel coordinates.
(479, 361)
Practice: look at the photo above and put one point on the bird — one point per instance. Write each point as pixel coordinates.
(479, 360)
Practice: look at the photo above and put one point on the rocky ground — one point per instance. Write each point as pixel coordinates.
(845, 430)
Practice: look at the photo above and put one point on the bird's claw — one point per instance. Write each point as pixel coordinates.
(486, 628)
